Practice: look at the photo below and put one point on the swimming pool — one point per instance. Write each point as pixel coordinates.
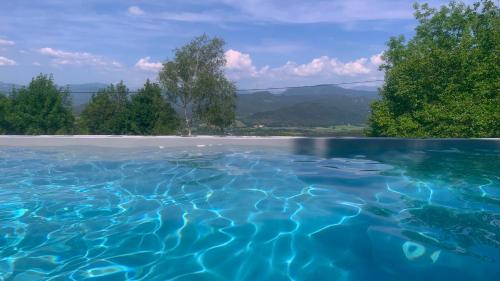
(299, 209)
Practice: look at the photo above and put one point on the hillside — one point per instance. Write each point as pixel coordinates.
(6, 88)
(80, 93)
(301, 107)
(306, 106)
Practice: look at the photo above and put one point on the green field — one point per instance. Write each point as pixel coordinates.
(333, 131)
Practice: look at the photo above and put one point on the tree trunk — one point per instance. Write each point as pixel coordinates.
(186, 119)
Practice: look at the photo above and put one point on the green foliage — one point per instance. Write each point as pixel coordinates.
(195, 78)
(217, 107)
(4, 112)
(113, 111)
(150, 114)
(107, 112)
(445, 81)
(40, 108)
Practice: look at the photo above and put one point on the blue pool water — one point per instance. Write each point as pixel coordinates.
(322, 210)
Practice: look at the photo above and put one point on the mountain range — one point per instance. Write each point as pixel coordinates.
(80, 93)
(317, 106)
(306, 107)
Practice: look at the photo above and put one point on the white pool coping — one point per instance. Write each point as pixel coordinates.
(142, 141)
(195, 141)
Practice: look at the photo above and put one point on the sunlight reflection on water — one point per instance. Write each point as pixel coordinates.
(331, 210)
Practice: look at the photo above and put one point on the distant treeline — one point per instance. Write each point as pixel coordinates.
(193, 81)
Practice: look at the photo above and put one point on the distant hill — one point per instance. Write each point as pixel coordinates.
(365, 88)
(7, 87)
(326, 90)
(80, 93)
(306, 106)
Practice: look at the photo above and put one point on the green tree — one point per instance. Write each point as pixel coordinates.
(40, 108)
(217, 107)
(107, 111)
(445, 81)
(150, 113)
(4, 114)
(194, 77)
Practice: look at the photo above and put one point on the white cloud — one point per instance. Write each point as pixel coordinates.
(35, 63)
(326, 11)
(289, 11)
(136, 11)
(326, 67)
(299, 11)
(5, 61)
(358, 66)
(315, 67)
(239, 61)
(377, 59)
(5, 42)
(60, 57)
(145, 64)
(240, 65)
(323, 69)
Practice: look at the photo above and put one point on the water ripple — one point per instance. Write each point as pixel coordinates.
(243, 214)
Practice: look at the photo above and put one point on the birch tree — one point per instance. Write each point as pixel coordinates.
(194, 75)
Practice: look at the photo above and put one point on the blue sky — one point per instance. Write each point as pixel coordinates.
(269, 43)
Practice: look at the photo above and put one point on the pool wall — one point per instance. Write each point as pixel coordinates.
(321, 146)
